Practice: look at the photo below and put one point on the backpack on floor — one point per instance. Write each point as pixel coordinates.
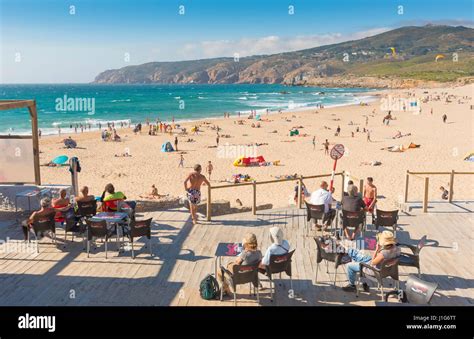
(209, 288)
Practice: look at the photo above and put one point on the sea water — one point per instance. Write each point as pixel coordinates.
(61, 106)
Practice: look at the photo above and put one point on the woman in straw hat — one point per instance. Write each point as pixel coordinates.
(250, 255)
(279, 246)
(386, 249)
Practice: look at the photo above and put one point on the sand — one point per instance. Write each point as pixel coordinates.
(443, 146)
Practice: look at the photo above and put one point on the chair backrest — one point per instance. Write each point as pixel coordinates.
(314, 211)
(420, 245)
(352, 219)
(139, 228)
(44, 223)
(389, 268)
(281, 263)
(386, 218)
(243, 274)
(322, 254)
(419, 291)
(96, 229)
(87, 208)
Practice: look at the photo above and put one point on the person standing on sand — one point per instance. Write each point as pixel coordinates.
(176, 143)
(314, 143)
(209, 169)
(368, 136)
(445, 117)
(326, 147)
(193, 190)
(338, 130)
(370, 195)
(217, 139)
(366, 120)
(181, 161)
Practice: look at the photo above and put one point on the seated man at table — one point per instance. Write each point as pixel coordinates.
(111, 199)
(62, 205)
(279, 246)
(45, 212)
(352, 203)
(386, 249)
(250, 255)
(84, 195)
(322, 196)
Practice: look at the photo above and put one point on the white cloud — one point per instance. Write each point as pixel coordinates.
(269, 44)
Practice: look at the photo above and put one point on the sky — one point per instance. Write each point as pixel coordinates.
(48, 41)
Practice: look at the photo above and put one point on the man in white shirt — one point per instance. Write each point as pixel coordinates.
(323, 197)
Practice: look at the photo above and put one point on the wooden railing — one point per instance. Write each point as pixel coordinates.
(424, 176)
(254, 185)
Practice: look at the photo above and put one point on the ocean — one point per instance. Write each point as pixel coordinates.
(63, 105)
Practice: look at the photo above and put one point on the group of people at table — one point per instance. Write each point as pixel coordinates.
(63, 207)
(386, 249)
(352, 201)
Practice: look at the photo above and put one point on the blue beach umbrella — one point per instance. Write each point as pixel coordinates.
(60, 160)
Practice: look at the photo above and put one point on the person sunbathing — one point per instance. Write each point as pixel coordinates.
(153, 194)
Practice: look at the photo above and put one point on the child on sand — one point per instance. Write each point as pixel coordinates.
(181, 161)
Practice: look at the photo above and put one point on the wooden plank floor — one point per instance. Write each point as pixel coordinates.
(184, 254)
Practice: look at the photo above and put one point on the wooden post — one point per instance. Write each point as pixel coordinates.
(451, 183)
(254, 205)
(34, 134)
(343, 176)
(208, 207)
(361, 186)
(425, 197)
(300, 188)
(407, 178)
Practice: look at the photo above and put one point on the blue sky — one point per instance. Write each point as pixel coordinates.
(41, 42)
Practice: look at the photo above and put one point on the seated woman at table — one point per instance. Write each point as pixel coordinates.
(352, 203)
(110, 199)
(279, 246)
(45, 212)
(62, 205)
(386, 249)
(250, 255)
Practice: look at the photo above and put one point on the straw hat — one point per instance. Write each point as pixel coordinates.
(276, 235)
(386, 238)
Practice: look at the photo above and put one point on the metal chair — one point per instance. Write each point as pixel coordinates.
(278, 263)
(386, 219)
(86, 208)
(354, 219)
(242, 274)
(141, 228)
(315, 212)
(73, 225)
(44, 224)
(412, 259)
(98, 229)
(388, 268)
(417, 292)
(333, 256)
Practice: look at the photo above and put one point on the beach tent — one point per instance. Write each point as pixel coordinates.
(166, 147)
(249, 161)
(469, 157)
(69, 143)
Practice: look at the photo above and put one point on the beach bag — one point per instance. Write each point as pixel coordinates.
(209, 288)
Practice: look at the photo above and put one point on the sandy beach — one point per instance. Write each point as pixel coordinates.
(442, 148)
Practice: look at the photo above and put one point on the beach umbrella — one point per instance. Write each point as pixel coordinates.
(59, 160)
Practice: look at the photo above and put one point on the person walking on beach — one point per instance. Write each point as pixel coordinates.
(338, 130)
(366, 120)
(217, 139)
(326, 147)
(192, 186)
(368, 136)
(445, 117)
(176, 144)
(181, 161)
(209, 169)
(370, 195)
(314, 143)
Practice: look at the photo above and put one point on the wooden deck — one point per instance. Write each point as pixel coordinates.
(184, 254)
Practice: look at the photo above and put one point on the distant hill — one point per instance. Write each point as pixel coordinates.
(389, 59)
